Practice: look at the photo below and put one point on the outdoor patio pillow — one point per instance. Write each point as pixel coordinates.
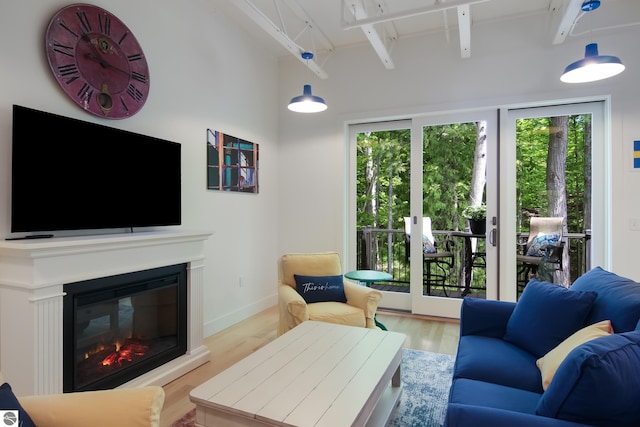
(546, 315)
(427, 246)
(320, 288)
(541, 242)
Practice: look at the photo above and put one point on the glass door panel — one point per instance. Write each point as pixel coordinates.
(452, 154)
(380, 200)
(414, 178)
(560, 171)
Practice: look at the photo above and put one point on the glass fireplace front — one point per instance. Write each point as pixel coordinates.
(119, 327)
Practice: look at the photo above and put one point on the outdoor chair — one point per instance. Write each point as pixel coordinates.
(438, 264)
(542, 251)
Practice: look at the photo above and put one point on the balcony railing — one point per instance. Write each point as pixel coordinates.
(385, 250)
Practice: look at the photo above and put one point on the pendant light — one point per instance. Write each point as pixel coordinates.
(594, 66)
(307, 103)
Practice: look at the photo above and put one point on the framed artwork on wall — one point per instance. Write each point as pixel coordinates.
(232, 163)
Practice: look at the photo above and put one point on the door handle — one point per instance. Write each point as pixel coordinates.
(492, 237)
(493, 234)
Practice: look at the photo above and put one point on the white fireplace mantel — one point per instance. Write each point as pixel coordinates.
(34, 272)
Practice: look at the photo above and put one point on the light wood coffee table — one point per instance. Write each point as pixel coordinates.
(316, 374)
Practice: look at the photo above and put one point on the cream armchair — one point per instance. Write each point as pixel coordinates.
(127, 407)
(359, 310)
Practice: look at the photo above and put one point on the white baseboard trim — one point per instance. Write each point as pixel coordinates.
(230, 319)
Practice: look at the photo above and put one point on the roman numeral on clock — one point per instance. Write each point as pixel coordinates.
(69, 70)
(134, 93)
(63, 49)
(124, 36)
(66, 27)
(85, 92)
(84, 21)
(139, 77)
(104, 25)
(124, 105)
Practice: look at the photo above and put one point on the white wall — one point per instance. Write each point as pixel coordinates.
(205, 73)
(511, 62)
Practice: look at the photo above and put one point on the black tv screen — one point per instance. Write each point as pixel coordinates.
(69, 174)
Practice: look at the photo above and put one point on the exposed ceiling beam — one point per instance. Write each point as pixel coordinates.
(464, 28)
(365, 22)
(302, 15)
(390, 32)
(359, 13)
(252, 11)
(437, 7)
(567, 17)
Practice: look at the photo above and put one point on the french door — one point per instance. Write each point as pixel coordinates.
(597, 248)
(415, 168)
(446, 152)
(379, 165)
(399, 179)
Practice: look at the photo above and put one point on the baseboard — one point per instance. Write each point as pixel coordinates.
(230, 319)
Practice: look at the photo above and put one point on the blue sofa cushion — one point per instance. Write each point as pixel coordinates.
(496, 361)
(618, 298)
(461, 415)
(598, 383)
(480, 393)
(546, 315)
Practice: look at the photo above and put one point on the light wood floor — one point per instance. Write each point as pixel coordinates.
(236, 342)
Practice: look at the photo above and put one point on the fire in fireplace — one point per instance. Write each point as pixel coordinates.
(119, 327)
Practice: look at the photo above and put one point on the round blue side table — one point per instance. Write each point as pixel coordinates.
(367, 277)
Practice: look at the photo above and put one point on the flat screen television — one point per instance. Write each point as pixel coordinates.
(69, 174)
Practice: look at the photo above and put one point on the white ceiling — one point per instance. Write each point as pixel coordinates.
(290, 27)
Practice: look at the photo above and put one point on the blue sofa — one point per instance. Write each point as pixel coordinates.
(496, 381)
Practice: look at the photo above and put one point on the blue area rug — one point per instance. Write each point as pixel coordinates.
(426, 379)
